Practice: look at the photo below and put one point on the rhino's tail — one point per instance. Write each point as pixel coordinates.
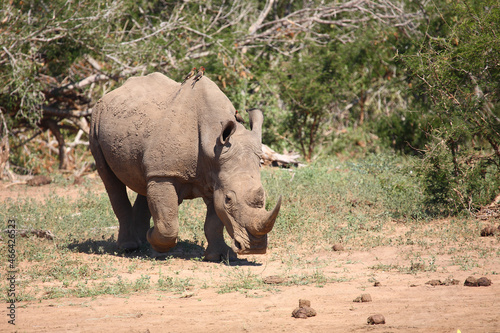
(94, 145)
(95, 120)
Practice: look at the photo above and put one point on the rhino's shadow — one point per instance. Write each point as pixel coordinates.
(184, 249)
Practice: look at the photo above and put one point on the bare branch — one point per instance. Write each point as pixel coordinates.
(267, 8)
(89, 80)
(47, 110)
(349, 15)
(165, 27)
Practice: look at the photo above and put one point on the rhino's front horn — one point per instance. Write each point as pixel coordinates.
(265, 224)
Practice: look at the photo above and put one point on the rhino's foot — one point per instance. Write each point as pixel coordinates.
(159, 255)
(162, 248)
(219, 253)
(129, 246)
(159, 243)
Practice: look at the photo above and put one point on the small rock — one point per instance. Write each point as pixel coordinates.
(363, 298)
(483, 282)
(304, 302)
(377, 284)
(470, 282)
(338, 247)
(376, 319)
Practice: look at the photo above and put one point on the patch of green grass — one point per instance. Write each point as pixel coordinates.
(364, 204)
(351, 202)
(317, 277)
(465, 261)
(415, 266)
(240, 279)
(173, 284)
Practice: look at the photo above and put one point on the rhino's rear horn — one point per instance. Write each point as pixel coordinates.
(266, 223)
(256, 119)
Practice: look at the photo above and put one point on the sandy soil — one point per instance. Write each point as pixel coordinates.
(15, 190)
(405, 300)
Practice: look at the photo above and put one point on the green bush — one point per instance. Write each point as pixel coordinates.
(451, 190)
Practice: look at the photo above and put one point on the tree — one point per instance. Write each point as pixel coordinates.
(58, 57)
(458, 71)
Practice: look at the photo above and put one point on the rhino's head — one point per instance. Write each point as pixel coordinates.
(239, 197)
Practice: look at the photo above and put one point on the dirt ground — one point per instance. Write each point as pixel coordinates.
(405, 300)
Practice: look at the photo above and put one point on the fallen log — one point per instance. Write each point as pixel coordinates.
(272, 158)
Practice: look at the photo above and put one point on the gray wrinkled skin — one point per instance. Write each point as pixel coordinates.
(169, 142)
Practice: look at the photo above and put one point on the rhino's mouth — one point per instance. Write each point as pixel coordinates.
(237, 246)
(249, 244)
(244, 242)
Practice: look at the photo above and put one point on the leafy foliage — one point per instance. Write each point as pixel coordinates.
(330, 77)
(458, 69)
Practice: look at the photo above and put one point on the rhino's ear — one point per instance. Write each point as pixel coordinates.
(256, 119)
(227, 130)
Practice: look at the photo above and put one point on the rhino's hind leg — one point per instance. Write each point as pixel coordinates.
(142, 217)
(128, 238)
(163, 204)
(217, 248)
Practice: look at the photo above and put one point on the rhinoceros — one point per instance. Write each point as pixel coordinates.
(170, 142)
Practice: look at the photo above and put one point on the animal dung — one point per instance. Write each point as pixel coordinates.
(304, 310)
(273, 279)
(39, 181)
(481, 282)
(363, 298)
(376, 319)
(447, 282)
(338, 247)
(434, 282)
(304, 302)
(489, 230)
(47, 234)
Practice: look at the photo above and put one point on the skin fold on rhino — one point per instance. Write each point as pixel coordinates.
(170, 142)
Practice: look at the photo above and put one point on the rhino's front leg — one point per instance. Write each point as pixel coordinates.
(217, 248)
(163, 204)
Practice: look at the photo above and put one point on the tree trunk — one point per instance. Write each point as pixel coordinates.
(54, 128)
(4, 144)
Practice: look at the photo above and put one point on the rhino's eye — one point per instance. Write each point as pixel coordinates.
(229, 198)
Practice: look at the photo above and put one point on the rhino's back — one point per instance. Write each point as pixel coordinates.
(147, 128)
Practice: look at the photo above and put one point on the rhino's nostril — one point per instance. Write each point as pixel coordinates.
(237, 245)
